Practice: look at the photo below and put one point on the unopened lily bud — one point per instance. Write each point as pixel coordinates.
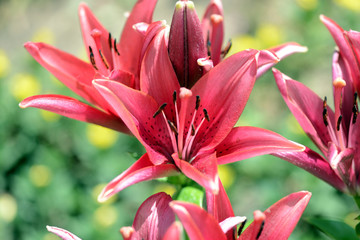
(186, 44)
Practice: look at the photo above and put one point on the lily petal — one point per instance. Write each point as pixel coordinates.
(212, 25)
(198, 224)
(153, 217)
(158, 78)
(142, 170)
(73, 72)
(174, 232)
(231, 223)
(247, 142)
(282, 51)
(72, 108)
(307, 108)
(314, 164)
(64, 234)
(129, 106)
(225, 99)
(131, 41)
(281, 218)
(202, 170)
(218, 205)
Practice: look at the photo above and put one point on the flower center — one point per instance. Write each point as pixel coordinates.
(182, 133)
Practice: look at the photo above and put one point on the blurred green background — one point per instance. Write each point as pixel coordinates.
(52, 168)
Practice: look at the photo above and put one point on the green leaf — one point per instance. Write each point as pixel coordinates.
(334, 229)
(357, 229)
(191, 195)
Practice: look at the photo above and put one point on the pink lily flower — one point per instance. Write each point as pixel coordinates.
(195, 47)
(277, 222)
(107, 59)
(336, 133)
(189, 130)
(155, 220)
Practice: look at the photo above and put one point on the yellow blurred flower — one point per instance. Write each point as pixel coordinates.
(8, 207)
(4, 64)
(243, 42)
(101, 137)
(269, 35)
(40, 175)
(105, 215)
(44, 35)
(96, 192)
(227, 175)
(49, 116)
(353, 5)
(24, 85)
(166, 188)
(308, 4)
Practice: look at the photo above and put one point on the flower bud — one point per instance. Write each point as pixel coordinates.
(186, 44)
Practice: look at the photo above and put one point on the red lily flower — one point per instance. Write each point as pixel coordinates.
(155, 220)
(212, 25)
(336, 133)
(190, 130)
(107, 59)
(277, 222)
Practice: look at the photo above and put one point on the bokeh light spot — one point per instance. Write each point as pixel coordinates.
(8, 207)
(227, 175)
(269, 35)
(105, 215)
(44, 35)
(49, 116)
(101, 137)
(40, 175)
(243, 42)
(353, 5)
(24, 85)
(308, 4)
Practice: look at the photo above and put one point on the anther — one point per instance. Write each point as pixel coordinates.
(338, 123)
(241, 227)
(160, 109)
(173, 127)
(325, 113)
(115, 48)
(208, 44)
(355, 108)
(103, 59)
(197, 102)
(206, 115)
(174, 97)
(260, 230)
(192, 130)
(227, 48)
(92, 58)
(110, 41)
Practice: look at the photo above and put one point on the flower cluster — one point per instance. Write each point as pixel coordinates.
(175, 89)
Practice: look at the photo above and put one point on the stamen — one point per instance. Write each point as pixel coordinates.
(227, 48)
(197, 104)
(192, 130)
(174, 97)
(206, 115)
(92, 58)
(115, 48)
(173, 127)
(338, 123)
(325, 113)
(208, 44)
(241, 227)
(260, 230)
(110, 41)
(103, 59)
(160, 109)
(355, 108)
